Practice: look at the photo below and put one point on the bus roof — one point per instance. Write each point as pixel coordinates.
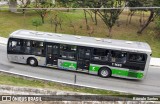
(123, 45)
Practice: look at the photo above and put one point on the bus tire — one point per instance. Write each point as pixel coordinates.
(104, 72)
(32, 62)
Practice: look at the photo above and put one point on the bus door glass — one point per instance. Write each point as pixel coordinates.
(52, 54)
(83, 58)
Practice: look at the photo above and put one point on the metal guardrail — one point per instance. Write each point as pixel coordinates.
(62, 8)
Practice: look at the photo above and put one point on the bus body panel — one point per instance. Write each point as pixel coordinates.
(66, 64)
(23, 59)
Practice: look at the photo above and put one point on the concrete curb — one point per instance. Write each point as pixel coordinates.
(3, 40)
(154, 61)
(14, 90)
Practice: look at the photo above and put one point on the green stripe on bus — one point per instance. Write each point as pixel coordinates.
(69, 65)
(127, 73)
(140, 75)
(119, 72)
(94, 68)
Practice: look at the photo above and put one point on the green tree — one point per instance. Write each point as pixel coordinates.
(36, 22)
(66, 3)
(157, 22)
(109, 16)
(56, 21)
(153, 13)
(133, 3)
(24, 4)
(42, 7)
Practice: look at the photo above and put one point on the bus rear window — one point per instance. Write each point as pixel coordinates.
(133, 57)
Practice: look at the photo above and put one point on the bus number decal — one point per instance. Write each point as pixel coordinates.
(115, 64)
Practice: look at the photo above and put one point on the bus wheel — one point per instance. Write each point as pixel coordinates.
(104, 72)
(32, 62)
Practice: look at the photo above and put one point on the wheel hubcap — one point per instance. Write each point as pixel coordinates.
(104, 73)
(32, 62)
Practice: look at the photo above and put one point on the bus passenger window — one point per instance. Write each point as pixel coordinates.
(68, 51)
(81, 53)
(139, 58)
(37, 48)
(55, 49)
(118, 57)
(101, 54)
(27, 46)
(40, 48)
(87, 54)
(133, 57)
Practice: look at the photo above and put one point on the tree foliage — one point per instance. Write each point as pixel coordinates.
(109, 16)
(56, 21)
(152, 12)
(24, 4)
(36, 22)
(42, 7)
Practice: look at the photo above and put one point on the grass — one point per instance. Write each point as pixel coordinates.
(19, 81)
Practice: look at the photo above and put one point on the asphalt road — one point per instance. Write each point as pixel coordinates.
(150, 85)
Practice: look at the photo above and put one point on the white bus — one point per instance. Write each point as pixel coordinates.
(100, 56)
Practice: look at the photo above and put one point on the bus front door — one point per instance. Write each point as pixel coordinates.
(52, 54)
(83, 61)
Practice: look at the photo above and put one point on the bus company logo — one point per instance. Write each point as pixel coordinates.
(93, 68)
(6, 98)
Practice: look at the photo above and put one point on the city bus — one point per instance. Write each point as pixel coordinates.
(99, 56)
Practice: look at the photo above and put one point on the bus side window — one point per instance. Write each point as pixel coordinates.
(134, 57)
(101, 54)
(81, 53)
(87, 54)
(68, 51)
(118, 57)
(27, 46)
(37, 48)
(55, 49)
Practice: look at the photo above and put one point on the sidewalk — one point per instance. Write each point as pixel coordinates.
(154, 61)
(3, 40)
